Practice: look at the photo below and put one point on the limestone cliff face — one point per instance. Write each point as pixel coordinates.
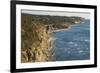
(34, 35)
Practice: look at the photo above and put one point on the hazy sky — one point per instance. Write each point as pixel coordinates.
(57, 13)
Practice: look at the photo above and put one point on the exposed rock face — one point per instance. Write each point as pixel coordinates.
(36, 34)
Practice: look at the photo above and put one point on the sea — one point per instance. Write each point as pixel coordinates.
(72, 43)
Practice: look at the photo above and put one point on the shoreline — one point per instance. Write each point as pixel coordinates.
(62, 29)
(66, 28)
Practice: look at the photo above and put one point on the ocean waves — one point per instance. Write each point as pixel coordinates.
(73, 44)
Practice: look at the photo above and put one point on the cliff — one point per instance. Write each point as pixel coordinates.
(36, 34)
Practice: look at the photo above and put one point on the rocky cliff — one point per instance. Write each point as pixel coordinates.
(36, 35)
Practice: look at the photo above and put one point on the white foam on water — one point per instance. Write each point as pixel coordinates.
(78, 48)
(71, 42)
(86, 40)
(81, 51)
(75, 44)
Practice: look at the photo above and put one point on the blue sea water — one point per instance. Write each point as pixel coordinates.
(73, 43)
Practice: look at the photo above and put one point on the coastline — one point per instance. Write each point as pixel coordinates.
(58, 30)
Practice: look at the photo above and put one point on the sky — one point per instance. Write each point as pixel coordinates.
(58, 13)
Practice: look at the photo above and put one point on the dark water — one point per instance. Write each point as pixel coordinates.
(73, 43)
